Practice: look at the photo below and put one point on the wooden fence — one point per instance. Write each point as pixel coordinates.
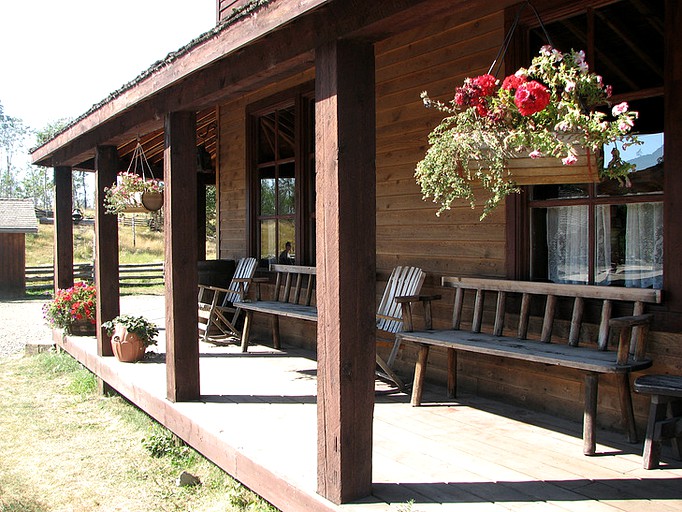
(134, 274)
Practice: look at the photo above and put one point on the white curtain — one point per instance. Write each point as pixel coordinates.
(604, 269)
(567, 244)
(644, 246)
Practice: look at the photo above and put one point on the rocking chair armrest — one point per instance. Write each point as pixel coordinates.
(416, 298)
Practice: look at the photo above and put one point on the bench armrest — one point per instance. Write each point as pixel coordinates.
(629, 344)
(258, 281)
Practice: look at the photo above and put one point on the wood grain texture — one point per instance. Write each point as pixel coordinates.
(106, 240)
(182, 359)
(346, 234)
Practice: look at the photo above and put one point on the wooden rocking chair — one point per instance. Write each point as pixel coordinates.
(404, 282)
(222, 312)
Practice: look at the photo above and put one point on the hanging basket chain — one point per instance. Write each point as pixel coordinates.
(139, 162)
(499, 58)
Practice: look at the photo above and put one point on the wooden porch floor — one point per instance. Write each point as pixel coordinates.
(257, 420)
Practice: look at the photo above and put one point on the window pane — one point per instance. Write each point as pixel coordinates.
(287, 205)
(266, 138)
(567, 244)
(286, 133)
(644, 246)
(648, 176)
(268, 240)
(287, 234)
(543, 192)
(267, 196)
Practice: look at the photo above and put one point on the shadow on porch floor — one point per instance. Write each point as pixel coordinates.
(257, 420)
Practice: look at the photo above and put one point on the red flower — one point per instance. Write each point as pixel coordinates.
(531, 97)
(512, 82)
(486, 84)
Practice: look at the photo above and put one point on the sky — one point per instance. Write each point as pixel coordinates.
(60, 57)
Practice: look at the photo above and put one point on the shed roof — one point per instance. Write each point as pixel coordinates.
(17, 216)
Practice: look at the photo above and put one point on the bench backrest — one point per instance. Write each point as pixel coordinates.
(500, 287)
(404, 281)
(294, 284)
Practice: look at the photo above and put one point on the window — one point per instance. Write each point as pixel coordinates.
(282, 180)
(605, 233)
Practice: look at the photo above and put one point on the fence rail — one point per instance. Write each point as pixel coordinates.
(130, 274)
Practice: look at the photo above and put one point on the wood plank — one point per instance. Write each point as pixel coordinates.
(106, 240)
(346, 198)
(180, 261)
(63, 228)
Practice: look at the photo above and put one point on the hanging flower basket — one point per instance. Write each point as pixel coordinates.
(136, 190)
(545, 115)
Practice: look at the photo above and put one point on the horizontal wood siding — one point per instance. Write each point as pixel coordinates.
(433, 58)
(12, 263)
(224, 8)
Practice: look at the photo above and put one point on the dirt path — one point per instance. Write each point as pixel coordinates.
(21, 321)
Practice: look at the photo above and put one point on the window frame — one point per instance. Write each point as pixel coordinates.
(302, 99)
(517, 211)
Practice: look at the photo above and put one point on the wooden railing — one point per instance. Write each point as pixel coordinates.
(133, 274)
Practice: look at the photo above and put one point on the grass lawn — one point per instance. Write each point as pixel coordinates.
(66, 447)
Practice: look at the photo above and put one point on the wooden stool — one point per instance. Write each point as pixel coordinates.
(666, 394)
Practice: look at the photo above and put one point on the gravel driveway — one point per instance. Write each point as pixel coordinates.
(21, 321)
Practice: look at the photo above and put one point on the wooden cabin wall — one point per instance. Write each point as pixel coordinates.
(224, 8)
(12, 264)
(436, 58)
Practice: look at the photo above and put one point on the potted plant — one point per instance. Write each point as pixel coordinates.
(546, 110)
(73, 309)
(130, 336)
(133, 193)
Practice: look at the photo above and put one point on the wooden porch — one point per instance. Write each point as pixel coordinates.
(257, 419)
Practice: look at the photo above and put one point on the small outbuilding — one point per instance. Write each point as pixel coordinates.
(17, 217)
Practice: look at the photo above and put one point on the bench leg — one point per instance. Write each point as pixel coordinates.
(652, 442)
(275, 332)
(452, 373)
(676, 441)
(419, 374)
(626, 406)
(590, 417)
(245, 330)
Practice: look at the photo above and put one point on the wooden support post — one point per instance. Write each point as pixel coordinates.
(180, 230)
(63, 228)
(106, 243)
(346, 267)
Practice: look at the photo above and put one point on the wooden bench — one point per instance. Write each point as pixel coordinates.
(666, 397)
(293, 298)
(592, 358)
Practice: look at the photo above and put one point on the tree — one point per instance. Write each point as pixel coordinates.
(13, 133)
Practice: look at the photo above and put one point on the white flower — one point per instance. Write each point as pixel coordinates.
(619, 109)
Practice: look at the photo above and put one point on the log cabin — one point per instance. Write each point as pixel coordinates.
(17, 218)
(307, 117)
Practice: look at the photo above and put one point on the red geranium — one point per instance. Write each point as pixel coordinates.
(512, 82)
(531, 97)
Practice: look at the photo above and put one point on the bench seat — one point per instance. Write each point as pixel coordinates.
(285, 309)
(580, 358)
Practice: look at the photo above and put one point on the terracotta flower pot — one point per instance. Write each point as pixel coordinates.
(127, 346)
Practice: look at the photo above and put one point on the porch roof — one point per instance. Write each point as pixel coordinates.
(264, 41)
(257, 420)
